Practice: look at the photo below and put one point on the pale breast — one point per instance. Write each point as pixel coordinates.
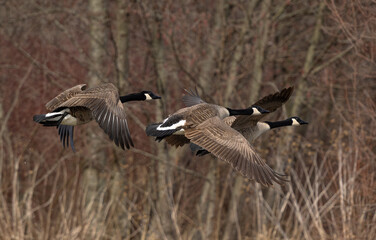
(82, 114)
(222, 112)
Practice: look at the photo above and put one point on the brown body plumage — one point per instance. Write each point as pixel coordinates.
(202, 124)
(79, 105)
(229, 139)
(229, 145)
(242, 123)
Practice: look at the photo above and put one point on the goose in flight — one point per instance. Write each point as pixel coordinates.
(79, 105)
(249, 126)
(203, 125)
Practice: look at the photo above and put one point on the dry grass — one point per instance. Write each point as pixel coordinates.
(331, 196)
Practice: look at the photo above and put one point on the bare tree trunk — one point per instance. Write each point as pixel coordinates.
(256, 84)
(234, 65)
(298, 100)
(122, 39)
(97, 9)
(302, 85)
(232, 212)
(119, 219)
(262, 33)
(1, 109)
(205, 208)
(214, 44)
(162, 221)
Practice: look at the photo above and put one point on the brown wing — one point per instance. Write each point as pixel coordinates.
(271, 103)
(200, 112)
(176, 140)
(107, 110)
(229, 145)
(229, 120)
(64, 96)
(194, 115)
(191, 98)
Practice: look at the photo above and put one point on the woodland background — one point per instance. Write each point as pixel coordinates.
(235, 52)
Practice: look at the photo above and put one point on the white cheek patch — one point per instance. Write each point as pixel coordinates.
(256, 111)
(294, 122)
(148, 96)
(173, 126)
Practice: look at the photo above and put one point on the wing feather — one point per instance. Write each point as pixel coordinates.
(271, 103)
(191, 98)
(229, 145)
(106, 108)
(64, 96)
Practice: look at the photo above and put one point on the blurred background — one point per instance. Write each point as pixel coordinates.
(235, 52)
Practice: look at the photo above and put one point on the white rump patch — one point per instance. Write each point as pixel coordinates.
(173, 126)
(295, 123)
(48, 115)
(55, 116)
(147, 96)
(58, 113)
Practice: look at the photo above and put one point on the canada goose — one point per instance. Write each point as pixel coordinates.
(188, 117)
(79, 105)
(240, 123)
(248, 126)
(253, 132)
(202, 125)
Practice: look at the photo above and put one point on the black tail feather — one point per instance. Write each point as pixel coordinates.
(66, 135)
(195, 147)
(202, 152)
(199, 150)
(159, 139)
(49, 121)
(39, 118)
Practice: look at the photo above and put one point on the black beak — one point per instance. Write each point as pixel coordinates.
(302, 122)
(156, 97)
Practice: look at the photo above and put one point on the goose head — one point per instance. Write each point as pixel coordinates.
(149, 95)
(259, 110)
(296, 121)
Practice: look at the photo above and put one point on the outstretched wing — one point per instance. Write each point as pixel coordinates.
(107, 110)
(271, 103)
(229, 145)
(64, 96)
(191, 98)
(66, 135)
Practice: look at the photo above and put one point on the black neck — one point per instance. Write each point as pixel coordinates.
(277, 124)
(234, 112)
(133, 97)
